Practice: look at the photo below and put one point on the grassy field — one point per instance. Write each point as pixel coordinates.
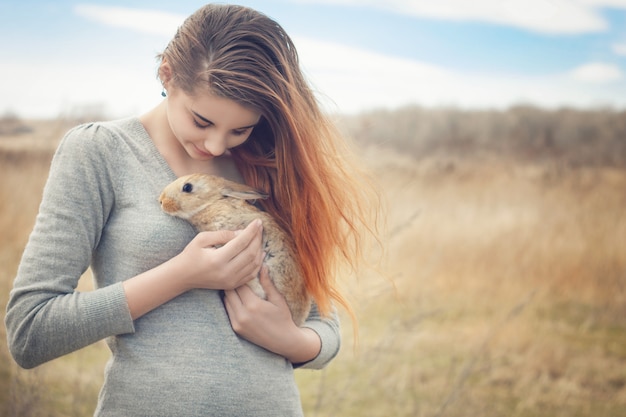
(508, 294)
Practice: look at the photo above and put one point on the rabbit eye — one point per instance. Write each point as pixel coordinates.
(187, 188)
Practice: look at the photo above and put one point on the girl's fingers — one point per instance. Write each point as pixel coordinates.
(216, 238)
(247, 268)
(228, 266)
(245, 264)
(266, 282)
(273, 295)
(231, 298)
(243, 240)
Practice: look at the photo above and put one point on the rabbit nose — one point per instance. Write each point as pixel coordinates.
(168, 205)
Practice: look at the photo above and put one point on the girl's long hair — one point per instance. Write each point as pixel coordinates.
(295, 154)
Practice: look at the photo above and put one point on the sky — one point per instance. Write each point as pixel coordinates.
(68, 57)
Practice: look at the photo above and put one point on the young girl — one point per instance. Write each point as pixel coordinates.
(187, 337)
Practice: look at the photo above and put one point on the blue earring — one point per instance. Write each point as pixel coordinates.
(163, 93)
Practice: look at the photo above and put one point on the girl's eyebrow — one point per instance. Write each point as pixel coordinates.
(204, 119)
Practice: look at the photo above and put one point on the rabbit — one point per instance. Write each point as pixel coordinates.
(209, 203)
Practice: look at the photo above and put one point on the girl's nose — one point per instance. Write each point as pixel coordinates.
(215, 143)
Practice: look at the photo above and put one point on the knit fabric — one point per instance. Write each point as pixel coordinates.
(100, 208)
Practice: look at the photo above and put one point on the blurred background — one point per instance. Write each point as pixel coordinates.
(496, 131)
(67, 56)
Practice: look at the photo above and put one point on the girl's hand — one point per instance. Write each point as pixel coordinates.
(268, 323)
(199, 265)
(227, 267)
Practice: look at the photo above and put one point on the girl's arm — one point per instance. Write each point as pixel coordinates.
(200, 265)
(46, 316)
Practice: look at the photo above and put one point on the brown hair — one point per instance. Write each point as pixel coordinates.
(294, 154)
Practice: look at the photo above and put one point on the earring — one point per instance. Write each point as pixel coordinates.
(163, 93)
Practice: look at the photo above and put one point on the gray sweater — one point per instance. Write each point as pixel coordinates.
(100, 209)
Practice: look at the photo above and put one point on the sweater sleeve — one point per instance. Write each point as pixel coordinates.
(46, 317)
(328, 329)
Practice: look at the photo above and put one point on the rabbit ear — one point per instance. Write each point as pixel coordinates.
(243, 192)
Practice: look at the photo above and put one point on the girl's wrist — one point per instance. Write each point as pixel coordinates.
(304, 346)
(152, 288)
(180, 273)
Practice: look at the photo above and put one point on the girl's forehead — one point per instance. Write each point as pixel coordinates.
(216, 109)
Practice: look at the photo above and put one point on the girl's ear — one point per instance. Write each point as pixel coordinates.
(243, 192)
(165, 73)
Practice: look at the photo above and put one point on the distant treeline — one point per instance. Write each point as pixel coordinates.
(576, 137)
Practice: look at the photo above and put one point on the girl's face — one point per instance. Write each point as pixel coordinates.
(207, 125)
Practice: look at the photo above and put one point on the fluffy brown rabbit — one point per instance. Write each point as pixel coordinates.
(209, 203)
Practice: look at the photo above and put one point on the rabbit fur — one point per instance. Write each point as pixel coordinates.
(210, 203)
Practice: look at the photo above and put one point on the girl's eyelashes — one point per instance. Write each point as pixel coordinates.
(237, 132)
(241, 132)
(198, 124)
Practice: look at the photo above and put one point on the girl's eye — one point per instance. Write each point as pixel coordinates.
(199, 125)
(241, 132)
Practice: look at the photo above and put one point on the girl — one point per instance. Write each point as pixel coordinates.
(187, 337)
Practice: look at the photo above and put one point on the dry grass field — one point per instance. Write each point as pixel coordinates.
(503, 292)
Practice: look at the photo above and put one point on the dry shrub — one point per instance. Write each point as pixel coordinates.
(510, 294)
(592, 137)
(21, 181)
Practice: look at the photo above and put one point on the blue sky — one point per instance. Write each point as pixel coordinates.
(67, 56)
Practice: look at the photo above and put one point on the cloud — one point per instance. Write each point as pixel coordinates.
(619, 48)
(351, 80)
(127, 90)
(152, 22)
(605, 3)
(544, 16)
(348, 79)
(597, 72)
